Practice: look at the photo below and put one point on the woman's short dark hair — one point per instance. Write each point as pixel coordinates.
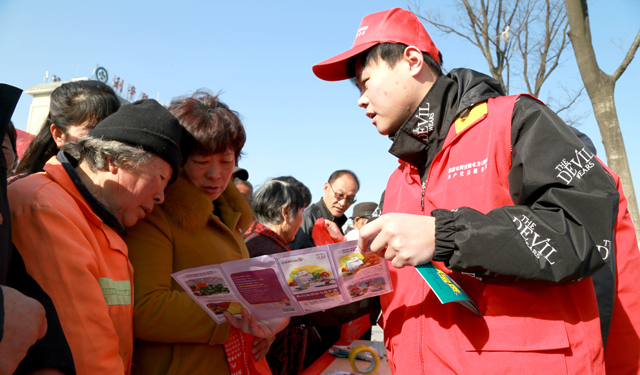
(302, 188)
(71, 104)
(268, 202)
(389, 53)
(214, 126)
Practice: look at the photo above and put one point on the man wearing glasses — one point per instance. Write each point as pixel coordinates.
(338, 195)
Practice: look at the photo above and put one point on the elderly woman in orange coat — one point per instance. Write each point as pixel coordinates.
(68, 222)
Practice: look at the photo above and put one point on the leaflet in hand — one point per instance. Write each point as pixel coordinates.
(445, 288)
(288, 284)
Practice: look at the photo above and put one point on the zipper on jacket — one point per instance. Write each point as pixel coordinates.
(424, 185)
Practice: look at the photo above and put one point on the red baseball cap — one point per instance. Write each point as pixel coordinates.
(390, 26)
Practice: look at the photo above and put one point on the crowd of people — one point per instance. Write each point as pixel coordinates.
(110, 199)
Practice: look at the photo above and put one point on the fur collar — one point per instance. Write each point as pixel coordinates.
(192, 209)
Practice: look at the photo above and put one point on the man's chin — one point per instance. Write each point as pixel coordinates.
(388, 129)
(382, 131)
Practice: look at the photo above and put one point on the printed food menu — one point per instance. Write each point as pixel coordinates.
(288, 284)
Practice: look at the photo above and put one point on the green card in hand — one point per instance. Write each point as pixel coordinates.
(444, 287)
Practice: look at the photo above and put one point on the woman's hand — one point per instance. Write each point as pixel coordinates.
(261, 347)
(264, 328)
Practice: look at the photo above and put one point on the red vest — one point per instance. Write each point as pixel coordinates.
(622, 355)
(521, 330)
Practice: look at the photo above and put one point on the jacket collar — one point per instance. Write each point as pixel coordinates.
(422, 135)
(69, 164)
(192, 209)
(327, 215)
(266, 232)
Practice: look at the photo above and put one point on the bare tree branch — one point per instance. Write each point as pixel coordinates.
(523, 37)
(627, 59)
(575, 98)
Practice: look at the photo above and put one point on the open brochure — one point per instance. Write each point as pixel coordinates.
(288, 284)
(445, 288)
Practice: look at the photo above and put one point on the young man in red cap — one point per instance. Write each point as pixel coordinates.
(501, 194)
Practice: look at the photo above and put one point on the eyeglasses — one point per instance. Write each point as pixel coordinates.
(339, 197)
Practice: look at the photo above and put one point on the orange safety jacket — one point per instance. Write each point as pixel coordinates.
(81, 263)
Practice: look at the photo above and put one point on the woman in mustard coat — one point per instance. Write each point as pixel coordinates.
(200, 223)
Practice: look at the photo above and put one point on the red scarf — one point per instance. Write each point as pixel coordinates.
(267, 232)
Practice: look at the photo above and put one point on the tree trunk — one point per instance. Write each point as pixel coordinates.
(604, 109)
(600, 87)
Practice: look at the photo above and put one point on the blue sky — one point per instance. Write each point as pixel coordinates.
(260, 54)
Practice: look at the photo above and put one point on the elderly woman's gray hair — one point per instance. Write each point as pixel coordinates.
(97, 153)
(304, 190)
(271, 198)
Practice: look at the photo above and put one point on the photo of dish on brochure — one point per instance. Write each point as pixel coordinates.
(218, 308)
(353, 263)
(308, 272)
(309, 277)
(363, 287)
(207, 286)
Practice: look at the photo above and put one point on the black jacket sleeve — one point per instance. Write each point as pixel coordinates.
(51, 351)
(560, 229)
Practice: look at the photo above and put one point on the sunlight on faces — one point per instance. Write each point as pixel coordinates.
(337, 200)
(74, 132)
(390, 95)
(210, 173)
(130, 195)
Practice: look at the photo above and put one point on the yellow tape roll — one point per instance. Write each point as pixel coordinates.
(364, 348)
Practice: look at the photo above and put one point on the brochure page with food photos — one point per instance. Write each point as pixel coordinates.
(288, 284)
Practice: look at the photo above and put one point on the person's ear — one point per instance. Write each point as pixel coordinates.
(57, 134)
(413, 57)
(286, 214)
(112, 167)
(325, 189)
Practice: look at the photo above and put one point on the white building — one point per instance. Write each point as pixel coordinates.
(39, 108)
(40, 104)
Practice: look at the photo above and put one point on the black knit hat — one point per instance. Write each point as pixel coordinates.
(145, 123)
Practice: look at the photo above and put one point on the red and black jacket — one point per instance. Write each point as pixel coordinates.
(520, 239)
